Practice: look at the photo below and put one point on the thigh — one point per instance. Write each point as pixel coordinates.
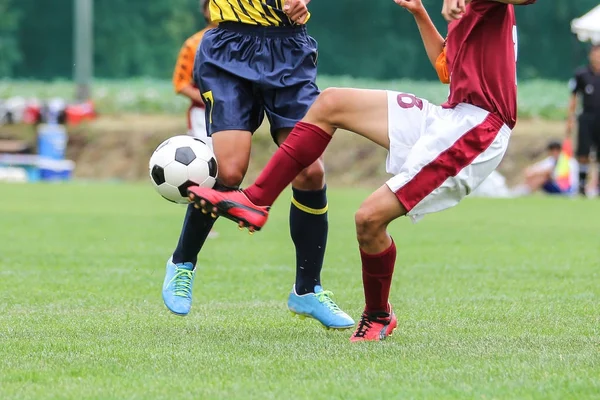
(585, 135)
(407, 119)
(456, 153)
(288, 86)
(231, 100)
(364, 112)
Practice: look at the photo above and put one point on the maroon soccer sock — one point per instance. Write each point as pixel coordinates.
(377, 271)
(303, 146)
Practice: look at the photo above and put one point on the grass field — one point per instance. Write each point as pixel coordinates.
(496, 299)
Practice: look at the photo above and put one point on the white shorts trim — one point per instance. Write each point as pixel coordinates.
(197, 123)
(438, 155)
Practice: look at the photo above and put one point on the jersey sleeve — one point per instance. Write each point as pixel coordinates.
(576, 83)
(182, 75)
(441, 67)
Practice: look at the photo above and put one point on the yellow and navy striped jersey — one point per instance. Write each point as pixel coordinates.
(252, 12)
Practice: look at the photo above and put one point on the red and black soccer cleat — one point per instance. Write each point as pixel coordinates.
(233, 205)
(375, 327)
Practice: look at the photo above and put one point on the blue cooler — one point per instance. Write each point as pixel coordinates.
(55, 170)
(52, 141)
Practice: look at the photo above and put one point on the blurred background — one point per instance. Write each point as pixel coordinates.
(122, 55)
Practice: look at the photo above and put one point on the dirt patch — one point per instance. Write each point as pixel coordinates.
(119, 146)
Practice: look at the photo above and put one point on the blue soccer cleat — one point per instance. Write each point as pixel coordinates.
(320, 306)
(177, 287)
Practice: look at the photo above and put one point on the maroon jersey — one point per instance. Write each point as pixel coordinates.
(482, 59)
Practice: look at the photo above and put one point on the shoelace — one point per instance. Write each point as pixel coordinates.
(324, 297)
(363, 326)
(182, 282)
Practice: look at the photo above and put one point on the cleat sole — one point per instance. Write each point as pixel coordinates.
(302, 317)
(203, 204)
(177, 314)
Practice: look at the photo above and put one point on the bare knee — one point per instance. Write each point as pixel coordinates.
(369, 226)
(231, 175)
(232, 150)
(327, 106)
(311, 178)
(529, 178)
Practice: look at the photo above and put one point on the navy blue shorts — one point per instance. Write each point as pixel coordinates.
(245, 71)
(551, 187)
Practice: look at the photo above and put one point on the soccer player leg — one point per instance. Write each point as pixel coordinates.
(222, 93)
(197, 123)
(404, 116)
(584, 147)
(597, 145)
(362, 111)
(378, 256)
(308, 223)
(308, 230)
(285, 106)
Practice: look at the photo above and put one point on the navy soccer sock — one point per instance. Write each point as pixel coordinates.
(308, 228)
(583, 175)
(195, 230)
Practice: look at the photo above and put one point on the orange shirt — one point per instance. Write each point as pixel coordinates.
(184, 69)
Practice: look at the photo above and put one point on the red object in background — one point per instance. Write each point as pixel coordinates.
(32, 113)
(77, 113)
(563, 166)
(567, 147)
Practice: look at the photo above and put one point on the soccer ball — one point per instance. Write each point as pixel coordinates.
(181, 162)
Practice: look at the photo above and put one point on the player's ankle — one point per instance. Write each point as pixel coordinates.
(252, 193)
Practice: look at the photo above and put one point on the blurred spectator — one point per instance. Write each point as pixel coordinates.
(543, 175)
(586, 84)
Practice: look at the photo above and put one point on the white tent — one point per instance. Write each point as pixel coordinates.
(588, 26)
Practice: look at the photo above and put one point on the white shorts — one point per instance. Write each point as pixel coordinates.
(197, 125)
(438, 155)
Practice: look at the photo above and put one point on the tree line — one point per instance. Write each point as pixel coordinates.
(372, 39)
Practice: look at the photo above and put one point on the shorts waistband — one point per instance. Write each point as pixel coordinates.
(266, 31)
(496, 120)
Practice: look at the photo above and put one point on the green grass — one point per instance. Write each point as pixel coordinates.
(537, 98)
(496, 299)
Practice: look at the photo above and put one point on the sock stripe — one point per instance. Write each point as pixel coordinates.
(308, 210)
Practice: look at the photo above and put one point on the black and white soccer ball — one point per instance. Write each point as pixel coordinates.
(181, 162)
